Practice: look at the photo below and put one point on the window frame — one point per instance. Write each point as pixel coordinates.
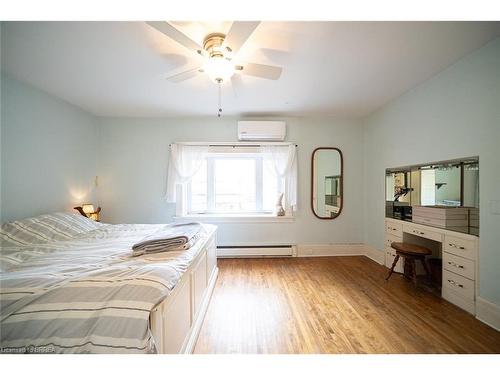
(211, 186)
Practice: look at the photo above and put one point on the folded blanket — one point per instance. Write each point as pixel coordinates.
(171, 237)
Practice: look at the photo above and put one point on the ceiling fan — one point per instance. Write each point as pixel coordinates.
(217, 56)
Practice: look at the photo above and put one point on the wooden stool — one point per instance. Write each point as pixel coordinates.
(410, 253)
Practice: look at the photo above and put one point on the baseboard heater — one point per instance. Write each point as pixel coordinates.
(256, 251)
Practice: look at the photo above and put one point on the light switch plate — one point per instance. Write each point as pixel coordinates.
(495, 207)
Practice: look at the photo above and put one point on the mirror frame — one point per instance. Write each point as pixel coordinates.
(341, 182)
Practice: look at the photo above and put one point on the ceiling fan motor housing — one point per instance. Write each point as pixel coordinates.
(213, 44)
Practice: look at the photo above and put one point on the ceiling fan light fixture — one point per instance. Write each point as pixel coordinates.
(219, 69)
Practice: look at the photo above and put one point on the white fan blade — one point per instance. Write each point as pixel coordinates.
(179, 77)
(173, 33)
(260, 70)
(238, 34)
(236, 84)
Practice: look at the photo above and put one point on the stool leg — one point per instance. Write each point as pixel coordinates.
(393, 265)
(427, 272)
(407, 270)
(414, 271)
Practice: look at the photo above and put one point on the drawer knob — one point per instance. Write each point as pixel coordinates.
(454, 283)
(455, 265)
(456, 246)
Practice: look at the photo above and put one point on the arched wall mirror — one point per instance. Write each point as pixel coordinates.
(326, 182)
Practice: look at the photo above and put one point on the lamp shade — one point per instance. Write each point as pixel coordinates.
(88, 208)
(219, 68)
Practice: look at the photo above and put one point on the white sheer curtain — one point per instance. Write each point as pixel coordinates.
(283, 161)
(185, 161)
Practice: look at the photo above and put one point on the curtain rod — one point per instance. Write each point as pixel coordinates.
(235, 144)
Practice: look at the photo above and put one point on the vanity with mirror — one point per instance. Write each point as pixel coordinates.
(436, 205)
(451, 188)
(326, 182)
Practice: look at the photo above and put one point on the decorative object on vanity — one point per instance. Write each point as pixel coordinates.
(401, 186)
(217, 55)
(410, 253)
(88, 210)
(327, 173)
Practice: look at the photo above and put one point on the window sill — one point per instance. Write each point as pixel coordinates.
(213, 218)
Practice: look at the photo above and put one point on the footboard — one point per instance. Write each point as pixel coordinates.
(176, 322)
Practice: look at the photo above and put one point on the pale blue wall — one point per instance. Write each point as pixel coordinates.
(133, 163)
(48, 152)
(455, 114)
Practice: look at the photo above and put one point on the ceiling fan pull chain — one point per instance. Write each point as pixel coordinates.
(219, 82)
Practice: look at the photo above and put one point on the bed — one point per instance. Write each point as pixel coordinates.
(71, 285)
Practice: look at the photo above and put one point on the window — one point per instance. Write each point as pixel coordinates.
(233, 183)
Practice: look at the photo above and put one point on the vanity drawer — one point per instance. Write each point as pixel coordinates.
(460, 247)
(426, 233)
(390, 254)
(459, 265)
(459, 285)
(396, 229)
(390, 238)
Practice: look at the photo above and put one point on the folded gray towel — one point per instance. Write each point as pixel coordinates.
(171, 237)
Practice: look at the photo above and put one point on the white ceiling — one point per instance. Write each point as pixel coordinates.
(345, 69)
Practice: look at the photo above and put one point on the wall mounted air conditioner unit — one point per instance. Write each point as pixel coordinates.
(261, 130)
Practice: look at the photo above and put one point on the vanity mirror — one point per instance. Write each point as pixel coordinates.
(326, 182)
(452, 183)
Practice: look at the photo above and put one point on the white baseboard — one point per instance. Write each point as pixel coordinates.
(305, 250)
(488, 313)
(375, 254)
(330, 250)
(341, 250)
(253, 252)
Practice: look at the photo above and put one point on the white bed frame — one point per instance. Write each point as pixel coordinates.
(176, 322)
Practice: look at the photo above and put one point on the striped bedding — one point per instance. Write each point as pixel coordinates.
(80, 290)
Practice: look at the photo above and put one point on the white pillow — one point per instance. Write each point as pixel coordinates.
(58, 226)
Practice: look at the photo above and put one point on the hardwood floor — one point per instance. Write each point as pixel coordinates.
(332, 305)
